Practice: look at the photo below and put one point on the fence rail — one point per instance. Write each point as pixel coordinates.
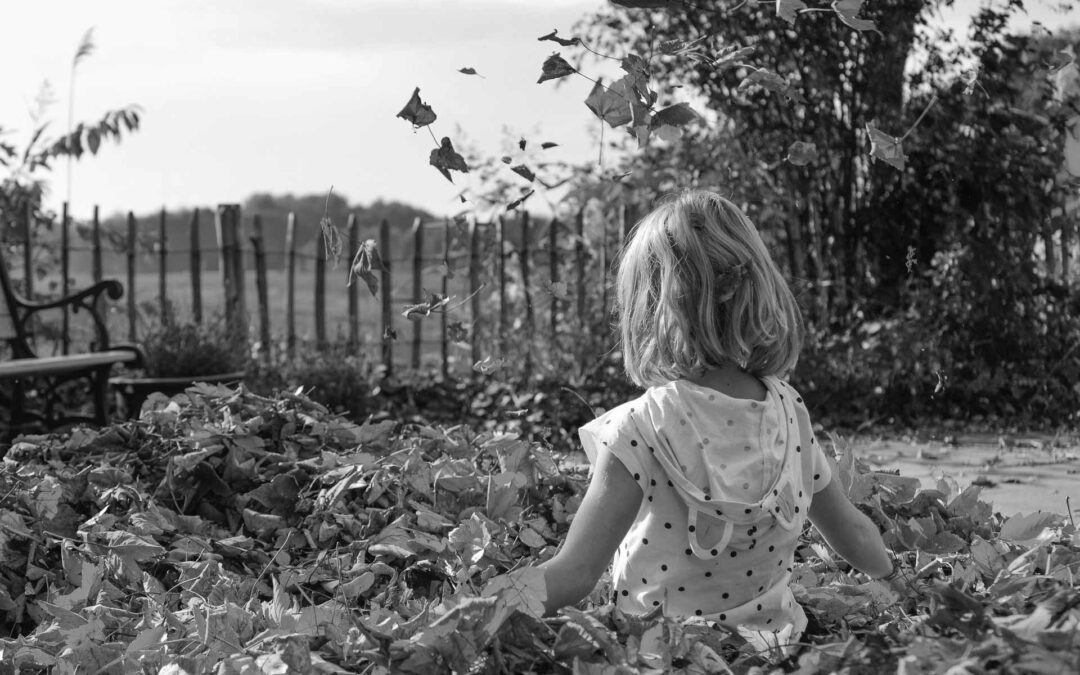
(493, 308)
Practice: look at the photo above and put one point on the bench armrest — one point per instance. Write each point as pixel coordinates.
(85, 299)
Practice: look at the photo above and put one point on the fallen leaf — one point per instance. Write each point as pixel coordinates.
(469, 71)
(521, 144)
(548, 144)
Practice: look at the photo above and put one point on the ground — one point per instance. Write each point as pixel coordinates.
(1019, 473)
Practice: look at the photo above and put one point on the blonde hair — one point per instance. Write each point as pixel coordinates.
(696, 288)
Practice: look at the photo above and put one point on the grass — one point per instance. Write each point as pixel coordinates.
(178, 287)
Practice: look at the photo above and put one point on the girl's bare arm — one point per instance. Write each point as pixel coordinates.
(603, 519)
(849, 532)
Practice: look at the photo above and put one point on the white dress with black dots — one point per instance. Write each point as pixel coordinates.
(727, 484)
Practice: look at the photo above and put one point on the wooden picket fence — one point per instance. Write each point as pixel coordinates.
(500, 275)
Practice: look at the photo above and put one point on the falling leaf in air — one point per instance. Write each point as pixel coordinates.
(553, 36)
(636, 66)
(469, 71)
(766, 79)
(448, 268)
(435, 302)
(848, 11)
(886, 148)
(693, 49)
(801, 153)
(457, 332)
(488, 365)
(555, 67)
(649, 4)
(416, 112)
(787, 9)
(522, 143)
(446, 159)
(731, 57)
(524, 171)
(365, 264)
(389, 334)
(678, 115)
(666, 132)
(519, 201)
(548, 144)
(622, 102)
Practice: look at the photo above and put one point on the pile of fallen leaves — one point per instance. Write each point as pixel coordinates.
(230, 533)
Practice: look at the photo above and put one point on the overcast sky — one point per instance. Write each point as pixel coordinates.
(287, 96)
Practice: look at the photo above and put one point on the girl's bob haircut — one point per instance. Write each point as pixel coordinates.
(696, 288)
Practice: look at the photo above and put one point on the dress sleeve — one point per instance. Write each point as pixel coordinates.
(821, 466)
(817, 465)
(616, 430)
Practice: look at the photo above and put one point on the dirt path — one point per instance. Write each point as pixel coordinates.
(1018, 474)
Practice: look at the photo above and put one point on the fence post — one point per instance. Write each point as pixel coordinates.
(65, 277)
(500, 250)
(603, 267)
(354, 288)
(1066, 241)
(261, 289)
(474, 286)
(232, 267)
(443, 343)
(626, 220)
(385, 290)
(579, 262)
(95, 246)
(196, 267)
(320, 289)
(418, 291)
(290, 284)
(530, 319)
(163, 264)
(132, 243)
(95, 253)
(28, 254)
(553, 274)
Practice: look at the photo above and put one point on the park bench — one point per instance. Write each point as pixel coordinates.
(23, 372)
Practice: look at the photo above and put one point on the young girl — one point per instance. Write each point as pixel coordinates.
(701, 486)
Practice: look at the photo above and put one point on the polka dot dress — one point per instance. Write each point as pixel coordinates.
(727, 484)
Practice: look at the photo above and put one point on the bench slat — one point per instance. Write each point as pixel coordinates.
(62, 364)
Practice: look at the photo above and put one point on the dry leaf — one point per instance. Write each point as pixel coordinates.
(555, 67)
(416, 112)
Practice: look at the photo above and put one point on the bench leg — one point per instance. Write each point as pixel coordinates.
(99, 382)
